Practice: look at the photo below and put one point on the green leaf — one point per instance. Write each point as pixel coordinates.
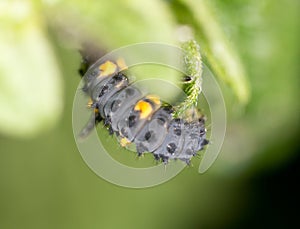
(30, 85)
(220, 54)
(111, 24)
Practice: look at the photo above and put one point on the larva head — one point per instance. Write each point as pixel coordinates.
(99, 72)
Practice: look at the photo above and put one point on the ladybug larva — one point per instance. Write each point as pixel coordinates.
(137, 118)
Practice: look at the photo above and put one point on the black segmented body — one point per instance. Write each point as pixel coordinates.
(139, 118)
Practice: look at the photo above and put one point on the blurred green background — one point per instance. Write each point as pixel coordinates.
(44, 183)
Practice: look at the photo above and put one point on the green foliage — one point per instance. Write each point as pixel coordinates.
(30, 80)
(193, 69)
(217, 51)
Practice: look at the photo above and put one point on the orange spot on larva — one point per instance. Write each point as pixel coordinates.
(121, 64)
(145, 109)
(155, 99)
(107, 68)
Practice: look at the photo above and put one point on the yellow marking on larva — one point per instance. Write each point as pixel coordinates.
(96, 110)
(155, 99)
(145, 109)
(121, 64)
(124, 142)
(107, 68)
(90, 103)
